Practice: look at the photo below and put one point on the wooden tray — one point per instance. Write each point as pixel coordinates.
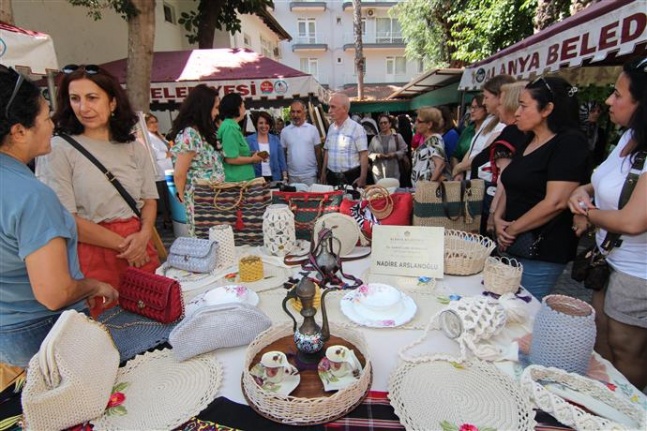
(308, 404)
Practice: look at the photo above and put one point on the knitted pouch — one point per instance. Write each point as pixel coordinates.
(216, 326)
(193, 254)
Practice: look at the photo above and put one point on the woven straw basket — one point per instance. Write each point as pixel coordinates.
(465, 253)
(291, 410)
(502, 275)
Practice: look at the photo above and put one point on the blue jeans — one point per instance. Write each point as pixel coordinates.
(18, 344)
(540, 277)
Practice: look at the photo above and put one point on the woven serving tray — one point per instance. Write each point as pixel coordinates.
(308, 404)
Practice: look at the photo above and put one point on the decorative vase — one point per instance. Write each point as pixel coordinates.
(564, 334)
(278, 230)
(223, 234)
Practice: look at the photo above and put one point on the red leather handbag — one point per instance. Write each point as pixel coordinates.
(151, 295)
(377, 206)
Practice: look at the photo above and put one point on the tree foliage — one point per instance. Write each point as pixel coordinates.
(124, 8)
(453, 32)
(201, 23)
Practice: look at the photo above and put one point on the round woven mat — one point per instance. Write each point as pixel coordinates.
(162, 393)
(427, 394)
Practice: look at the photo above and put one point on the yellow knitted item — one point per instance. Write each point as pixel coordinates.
(250, 268)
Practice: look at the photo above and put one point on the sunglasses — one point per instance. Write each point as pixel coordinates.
(418, 120)
(473, 108)
(90, 69)
(16, 88)
(640, 65)
(545, 83)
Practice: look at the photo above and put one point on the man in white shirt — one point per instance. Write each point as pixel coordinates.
(302, 145)
(345, 158)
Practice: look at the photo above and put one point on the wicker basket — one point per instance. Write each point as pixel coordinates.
(465, 253)
(291, 410)
(502, 275)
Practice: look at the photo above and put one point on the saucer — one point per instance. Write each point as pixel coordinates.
(330, 381)
(349, 306)
(222, 295)
(285, 387)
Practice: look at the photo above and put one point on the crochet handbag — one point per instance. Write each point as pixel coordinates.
(193, 254)
(70, 379)
(151, 295)
(450, 204)
(308, 207)
(217, 326)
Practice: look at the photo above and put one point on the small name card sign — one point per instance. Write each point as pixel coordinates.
(408, 250)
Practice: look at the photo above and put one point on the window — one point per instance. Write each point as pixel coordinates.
(267, 48)
(396, 66)
(387, 30)
(310, 65)
(363, 26)
(247, 41)
(169, 13)
(307, 30)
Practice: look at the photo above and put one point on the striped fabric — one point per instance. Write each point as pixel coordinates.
(450, 204)
(240, 205)
(308, 207)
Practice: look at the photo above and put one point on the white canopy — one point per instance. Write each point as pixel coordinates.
(26, 50)
(601, 34)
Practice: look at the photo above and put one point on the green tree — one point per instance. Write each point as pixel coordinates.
(359, 48)
(201, 24)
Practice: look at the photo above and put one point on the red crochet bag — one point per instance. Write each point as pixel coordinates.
(151, 295)
(378, 206)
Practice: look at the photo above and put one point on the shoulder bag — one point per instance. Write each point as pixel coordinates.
(193, 254)
(151, 295)
(450, 204)
(591, 265)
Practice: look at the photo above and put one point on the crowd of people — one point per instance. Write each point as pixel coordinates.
(69, 231)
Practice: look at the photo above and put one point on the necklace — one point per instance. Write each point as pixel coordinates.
(537, 143)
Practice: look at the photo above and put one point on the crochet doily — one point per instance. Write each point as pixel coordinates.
(161, 393)
(424, 395)
(535, 376)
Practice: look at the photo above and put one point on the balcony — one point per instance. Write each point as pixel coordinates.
(307, 6)
(375, 4)
(309, 43)
(374, 77)
(377, 40)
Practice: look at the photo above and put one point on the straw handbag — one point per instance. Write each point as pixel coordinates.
(449, 204)
(70, 379)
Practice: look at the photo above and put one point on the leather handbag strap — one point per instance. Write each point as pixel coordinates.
(613, 239)
(109, 176)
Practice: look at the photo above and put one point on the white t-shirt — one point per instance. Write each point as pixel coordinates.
(480, 139)
(608, 180)
(301, 142)
(266, 171)
(160, 149)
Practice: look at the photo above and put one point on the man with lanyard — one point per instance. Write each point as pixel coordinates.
(302, 146)
(345, 158)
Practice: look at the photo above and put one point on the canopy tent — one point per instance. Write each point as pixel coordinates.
(260, 80)
(605, 33)
(28, 51)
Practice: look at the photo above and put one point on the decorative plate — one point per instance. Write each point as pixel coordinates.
(332, 382)
(284, 387)
(222, 295)
(354, 313)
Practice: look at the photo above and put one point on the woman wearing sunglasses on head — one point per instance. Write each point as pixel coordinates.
(94, 111)
(39, 269)
(621, 307)
(534, 188)
(386, 150)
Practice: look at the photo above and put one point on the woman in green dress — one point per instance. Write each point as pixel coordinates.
(239, 159)
(196, 151)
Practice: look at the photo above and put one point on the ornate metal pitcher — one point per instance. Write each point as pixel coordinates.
(309, 337)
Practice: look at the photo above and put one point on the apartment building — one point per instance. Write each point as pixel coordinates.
(323, 42)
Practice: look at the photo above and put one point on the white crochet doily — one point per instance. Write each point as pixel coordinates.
(162, 393)
(425, 395)
(533, 382)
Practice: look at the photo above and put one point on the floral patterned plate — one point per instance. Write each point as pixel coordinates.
(332, 382)
(284, 387)
(222, 295)
(355, 313)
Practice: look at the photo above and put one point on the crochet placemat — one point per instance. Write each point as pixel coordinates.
(155, 391)
(445, 395)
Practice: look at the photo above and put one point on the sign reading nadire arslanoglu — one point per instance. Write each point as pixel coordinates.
(411, 251)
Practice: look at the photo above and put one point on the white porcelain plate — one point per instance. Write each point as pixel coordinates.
(188, 280)
(330, 381)
(273, 277)
(222, 295)
(284, 387)
(354, 313)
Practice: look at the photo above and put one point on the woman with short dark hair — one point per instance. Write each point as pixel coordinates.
(275, 168)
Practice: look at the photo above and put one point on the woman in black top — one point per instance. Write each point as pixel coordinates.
(537, 183)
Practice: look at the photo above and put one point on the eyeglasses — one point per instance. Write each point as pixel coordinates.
(90, 69)
(14, 93)
(474, 108)
(418, 120)
(543, 81)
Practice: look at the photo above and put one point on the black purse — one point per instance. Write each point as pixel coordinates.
(526, 245)
(591, 266)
